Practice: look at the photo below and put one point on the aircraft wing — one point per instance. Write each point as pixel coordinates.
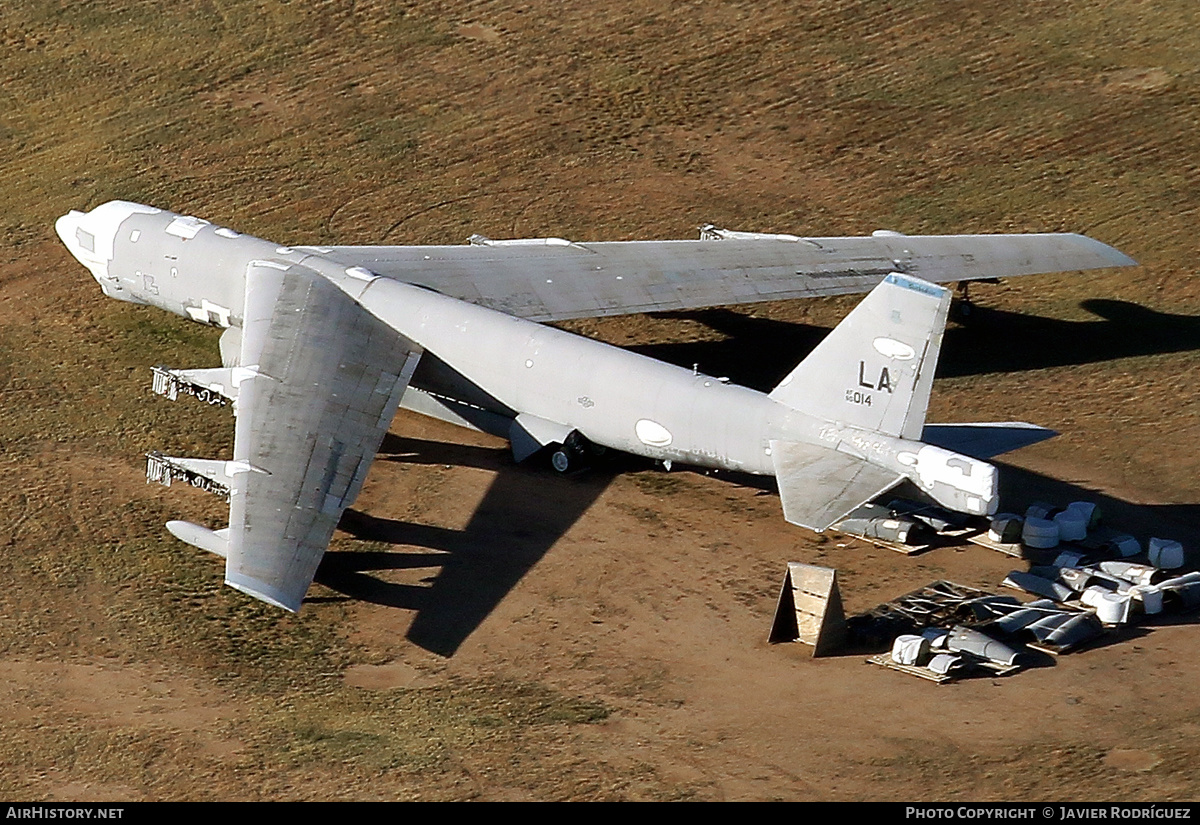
(325, 379)
(819, 486)
(554, 279)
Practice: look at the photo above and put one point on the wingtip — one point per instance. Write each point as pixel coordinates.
(263, 591)
(1106, 255)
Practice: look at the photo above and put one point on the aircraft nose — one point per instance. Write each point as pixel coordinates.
(65, 228)
(91, 237)
(85, 240)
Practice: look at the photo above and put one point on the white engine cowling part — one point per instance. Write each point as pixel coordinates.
(955, 481)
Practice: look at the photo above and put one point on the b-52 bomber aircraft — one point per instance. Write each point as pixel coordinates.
(323, 343)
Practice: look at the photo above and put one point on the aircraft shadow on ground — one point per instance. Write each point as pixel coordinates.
(527, 508)
(524, 512)
(759, 352)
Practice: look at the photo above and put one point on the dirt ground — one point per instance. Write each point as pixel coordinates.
(485, 630)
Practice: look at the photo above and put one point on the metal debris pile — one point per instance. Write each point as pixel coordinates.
(945, 631)
(1088, 580)
(1078, 562)
(905, 526)
(1118, 591)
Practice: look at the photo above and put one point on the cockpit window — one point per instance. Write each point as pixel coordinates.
(86, 239)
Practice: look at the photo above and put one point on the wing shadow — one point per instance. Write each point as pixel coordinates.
(524, 512)
(759, 352)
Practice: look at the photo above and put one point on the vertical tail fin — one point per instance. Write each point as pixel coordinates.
(875, 370)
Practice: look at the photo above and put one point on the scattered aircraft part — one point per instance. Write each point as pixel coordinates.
(1073, 631)
(1088, 510)
(1133, 573)
(1006, 528)
(1125, 546)
(1182, 592)
(332, 337)
(874, 521)
(1072, 525)
(944, 664)
(1068, 558)
(939, 604)
(937, 637)
(1111, 607)
(1077, 579)
(1026, 615)
(910, 650)
(1165, 553)
(967, 640)
(1038, 586)
(1149, 596)
(988, 607)
(810, 609)
(938, 519)
(1039, 533)
(1042, 510)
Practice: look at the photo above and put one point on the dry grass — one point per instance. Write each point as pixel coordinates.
(368, 122)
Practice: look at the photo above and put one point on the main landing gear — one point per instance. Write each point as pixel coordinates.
(961, 307)
(575, 453)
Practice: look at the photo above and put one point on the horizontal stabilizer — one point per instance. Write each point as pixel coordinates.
(214, 541)
(818, 485)
(985, 440)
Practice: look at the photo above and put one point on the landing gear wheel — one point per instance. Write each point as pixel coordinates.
(961, 306)
(561, 461)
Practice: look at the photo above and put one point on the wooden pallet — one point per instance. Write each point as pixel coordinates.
(973, 668)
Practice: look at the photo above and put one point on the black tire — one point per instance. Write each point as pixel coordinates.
(562, 461)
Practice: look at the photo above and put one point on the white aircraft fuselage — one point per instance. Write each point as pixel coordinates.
(514, 367)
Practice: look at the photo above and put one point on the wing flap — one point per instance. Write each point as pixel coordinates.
(325, 380)
(818, 486)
